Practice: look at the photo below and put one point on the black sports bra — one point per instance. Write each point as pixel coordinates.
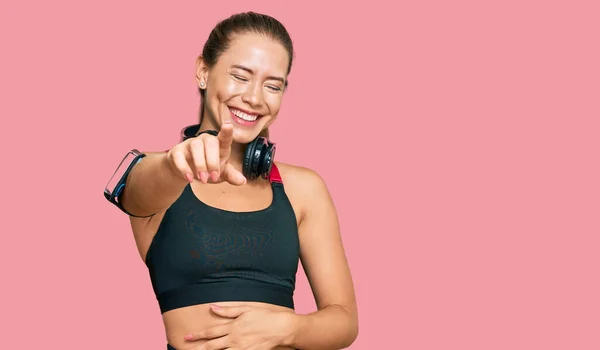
(202, 254)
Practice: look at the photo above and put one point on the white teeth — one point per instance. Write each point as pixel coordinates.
(244, 116)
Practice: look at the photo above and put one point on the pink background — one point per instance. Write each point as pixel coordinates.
(459, 140)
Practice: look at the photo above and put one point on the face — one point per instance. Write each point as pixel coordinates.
(245, 86)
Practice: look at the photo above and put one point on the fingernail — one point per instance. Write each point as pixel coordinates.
(214, 175)
(189, 177)
(214, 307)
(204, 177)
(188, 337)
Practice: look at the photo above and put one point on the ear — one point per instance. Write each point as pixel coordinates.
(201, 72)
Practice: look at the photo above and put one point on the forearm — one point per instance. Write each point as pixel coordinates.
(151, 186)
(333, 327)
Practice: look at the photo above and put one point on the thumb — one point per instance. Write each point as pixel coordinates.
(232, 175)
(228, 311)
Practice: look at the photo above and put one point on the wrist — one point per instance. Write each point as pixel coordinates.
(294, 323)
(170, 171)
(167, 165)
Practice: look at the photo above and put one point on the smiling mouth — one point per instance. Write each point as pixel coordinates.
(244, 115)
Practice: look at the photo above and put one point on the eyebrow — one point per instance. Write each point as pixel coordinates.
(252, 72)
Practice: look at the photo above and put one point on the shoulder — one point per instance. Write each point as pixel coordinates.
(295, 176)
(304, 186)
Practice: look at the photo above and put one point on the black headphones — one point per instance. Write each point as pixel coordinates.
(258, 158)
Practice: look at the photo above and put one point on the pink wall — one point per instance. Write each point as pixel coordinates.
(459, 140)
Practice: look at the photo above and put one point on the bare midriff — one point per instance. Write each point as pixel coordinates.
(191, 319)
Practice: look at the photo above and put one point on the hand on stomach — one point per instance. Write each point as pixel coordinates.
(193, 319)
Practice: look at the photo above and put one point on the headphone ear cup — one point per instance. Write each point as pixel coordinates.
(248, 157)
(267, 159)
(257, 157)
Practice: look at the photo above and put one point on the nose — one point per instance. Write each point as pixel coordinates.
(253, 94)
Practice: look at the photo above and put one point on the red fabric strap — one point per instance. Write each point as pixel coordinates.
(275, 176)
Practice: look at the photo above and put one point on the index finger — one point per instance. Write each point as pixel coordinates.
(210, 333)
(225, 137)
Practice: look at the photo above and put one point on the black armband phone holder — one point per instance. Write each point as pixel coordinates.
(116, 185)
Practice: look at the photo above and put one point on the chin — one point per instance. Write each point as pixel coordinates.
(245, 136)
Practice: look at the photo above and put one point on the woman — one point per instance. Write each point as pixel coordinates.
(223, 249)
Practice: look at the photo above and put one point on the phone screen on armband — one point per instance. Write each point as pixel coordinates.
(117, 182)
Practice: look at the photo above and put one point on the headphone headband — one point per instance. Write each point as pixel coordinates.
(191, 131)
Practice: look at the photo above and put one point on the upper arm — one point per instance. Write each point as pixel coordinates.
(321, 248)
(144, 230)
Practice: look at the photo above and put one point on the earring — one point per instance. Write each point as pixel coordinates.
(201, 84)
